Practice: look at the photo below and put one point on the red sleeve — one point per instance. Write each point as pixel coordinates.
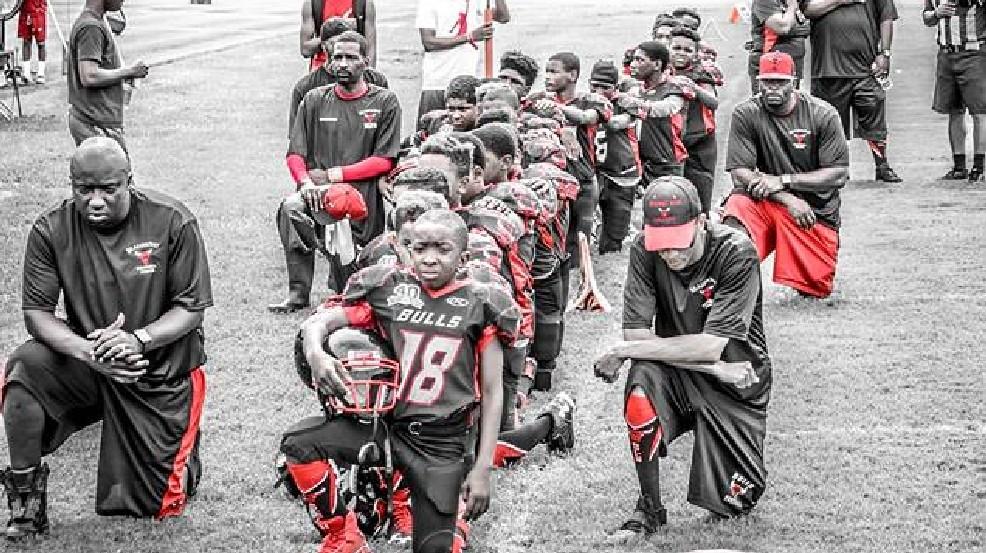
(489, 334)
(360, 315)
(297, 167)
(369, 168)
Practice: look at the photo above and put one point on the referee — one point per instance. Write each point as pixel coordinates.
(961, 80)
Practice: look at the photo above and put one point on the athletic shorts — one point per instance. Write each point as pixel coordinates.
(803, 259)
(861, 103)
(32, 22)
(430, 101)
(727, 473)
(81, 130)
(960, 82)
(700, 169)
(148, 454)
(434, 467)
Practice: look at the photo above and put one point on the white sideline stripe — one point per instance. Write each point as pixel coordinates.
(937, 429)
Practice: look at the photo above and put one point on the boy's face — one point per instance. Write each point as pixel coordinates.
(435, 254)
(682, 52)
(605, 89)
(461, 114)
(642, 67)
(556, 78)
(515, 80)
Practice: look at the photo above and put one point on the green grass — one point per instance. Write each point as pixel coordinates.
(875, 436)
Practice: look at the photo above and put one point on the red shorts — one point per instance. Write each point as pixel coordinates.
(33, 21)
(804, 259)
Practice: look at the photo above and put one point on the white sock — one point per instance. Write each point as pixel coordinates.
(25, 67)
(41, 68)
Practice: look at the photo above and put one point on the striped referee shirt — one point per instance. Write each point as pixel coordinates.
(966, 28)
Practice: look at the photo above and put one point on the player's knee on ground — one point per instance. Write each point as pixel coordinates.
(439, 542)
(643, 425)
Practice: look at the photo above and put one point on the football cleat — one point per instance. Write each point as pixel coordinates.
(645, 521)
(344, 536)
(886, 173)
(561, 409)
(28, 502)
(956, 173)
(403, 522)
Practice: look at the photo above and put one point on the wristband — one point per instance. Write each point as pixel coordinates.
(786, 181)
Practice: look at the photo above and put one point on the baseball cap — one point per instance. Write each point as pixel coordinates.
(340, 201)
(776, 65)
(604, 72)
(671, 205)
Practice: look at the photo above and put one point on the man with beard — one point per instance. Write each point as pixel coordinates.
(348, 132)
(700, 120)
(96, 77)
(788, 158)
(322, 76)
(850, 52)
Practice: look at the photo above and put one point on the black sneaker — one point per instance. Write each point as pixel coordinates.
(542, 381)
(27, 499)
(956, 174)
(645, 521)
(886, 173)
(561, 409)
(976, 175)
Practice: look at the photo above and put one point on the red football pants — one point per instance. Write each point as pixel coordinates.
(803, 259)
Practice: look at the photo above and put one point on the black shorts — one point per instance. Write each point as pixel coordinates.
(861, 103)
(960, 82)
(727, 474)
(150, 432)
(434, 467)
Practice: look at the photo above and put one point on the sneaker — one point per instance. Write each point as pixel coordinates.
(542, 381)
(956, 174)
(886, 173)
(561, 409)
(403, 521)
(645, 521)
(344, 536)
(976, 175)
(27, 499)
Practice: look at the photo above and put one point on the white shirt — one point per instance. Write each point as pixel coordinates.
(445, 17)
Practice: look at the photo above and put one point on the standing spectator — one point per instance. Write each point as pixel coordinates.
(450, 33)
(358, 15)
(32, 26)
(850, 51)
(788, 158)
(130, 268)
(96, 77)
(348, 132)
(777, 26)
(961, 82)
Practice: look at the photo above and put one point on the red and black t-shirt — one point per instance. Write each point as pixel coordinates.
(155, 260)
(661, 137)
(766, 39)
(808, 139)
(845, 41)
(700, 119)
(382, 250)
(583, 167)
(618, 151)
(718, 295)
(334, 130)
(438, 336)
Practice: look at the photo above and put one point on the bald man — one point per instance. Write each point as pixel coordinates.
(131, 266)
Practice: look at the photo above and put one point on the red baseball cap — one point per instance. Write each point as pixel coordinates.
(340, 201)
(671, 207)
(776, 65)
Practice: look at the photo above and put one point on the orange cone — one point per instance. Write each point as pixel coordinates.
(734, 16)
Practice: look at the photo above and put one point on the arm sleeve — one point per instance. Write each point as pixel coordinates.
(640, 291)
(297, 167)
(90, 44)
(41, 283)
(833, 150)
(388, 138)
(369, 168)
(189, 283)
(735, 299)
(742, 148)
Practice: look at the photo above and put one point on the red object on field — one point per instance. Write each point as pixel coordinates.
(588, 298)
(734, 15)
(488, 19)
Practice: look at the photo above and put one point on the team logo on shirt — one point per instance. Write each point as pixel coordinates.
(739, 486)
(144, 252)
(406, 294)
(457, 302)
(799, 138)
(707, 288)
(370, 117)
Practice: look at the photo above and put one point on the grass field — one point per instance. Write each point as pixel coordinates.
(876, 437)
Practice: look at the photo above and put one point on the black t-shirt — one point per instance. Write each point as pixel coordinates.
(583, 167)
(91, 40)
(438, 336)
(766, 39)
(808, 139)
(322, 77)
(618, 152)
(718, 295)
(330, 131)
(845, 41)
(155, 260)
(661, 137)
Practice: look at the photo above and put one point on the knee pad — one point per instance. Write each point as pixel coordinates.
(318, 484)
(644, 427)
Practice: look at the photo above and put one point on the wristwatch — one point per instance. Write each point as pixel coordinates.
(144, 338)
(786, 181)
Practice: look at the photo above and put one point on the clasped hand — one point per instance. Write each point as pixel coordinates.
(117, 353)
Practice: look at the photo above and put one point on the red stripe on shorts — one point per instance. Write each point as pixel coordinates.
(173, 502)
